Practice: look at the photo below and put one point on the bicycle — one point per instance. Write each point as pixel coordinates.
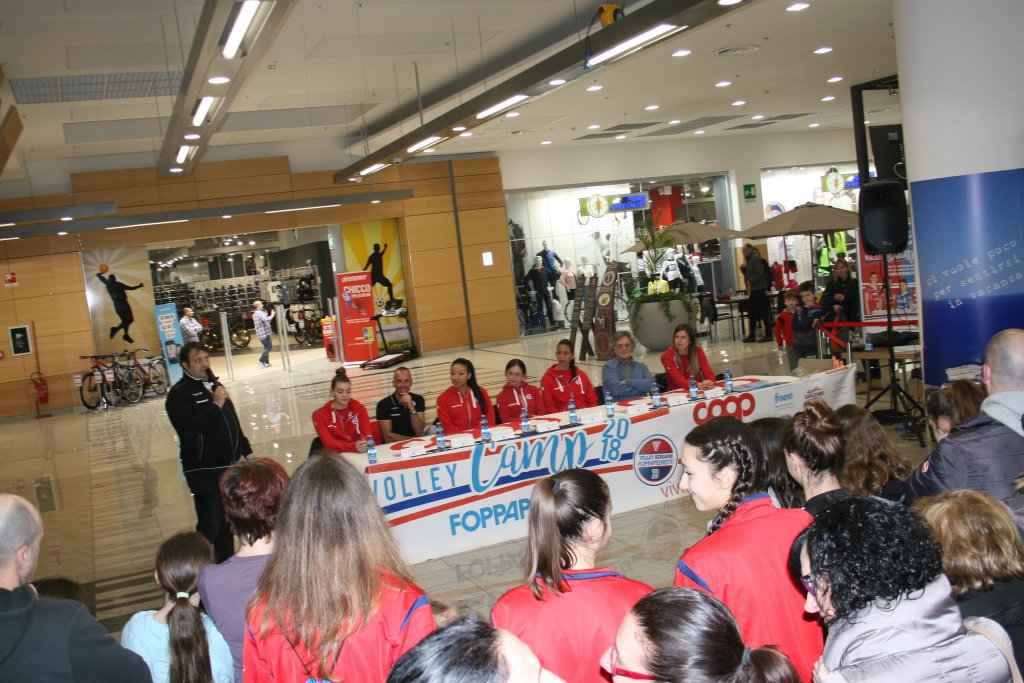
(304, 324)
(212, 340)
(153, 372)
(102, 382)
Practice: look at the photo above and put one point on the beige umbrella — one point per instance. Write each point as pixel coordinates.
(807, 219)
(691, 232)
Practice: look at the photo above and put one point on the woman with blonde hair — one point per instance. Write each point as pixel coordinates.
(871, 465)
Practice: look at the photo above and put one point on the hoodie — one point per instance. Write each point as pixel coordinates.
(512, 399)
(560, 385)
(1007, 407)
(339, 430)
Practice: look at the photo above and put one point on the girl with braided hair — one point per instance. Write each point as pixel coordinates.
(744, 559)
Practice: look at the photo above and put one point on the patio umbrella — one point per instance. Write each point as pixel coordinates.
(807, 219)
(692, 232)
(635, 249)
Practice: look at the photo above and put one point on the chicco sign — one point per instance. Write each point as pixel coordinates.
(737, 405)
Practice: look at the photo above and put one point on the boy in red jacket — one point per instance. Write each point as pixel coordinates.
(784, 327)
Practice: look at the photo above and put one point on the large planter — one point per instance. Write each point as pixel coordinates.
(653, 329)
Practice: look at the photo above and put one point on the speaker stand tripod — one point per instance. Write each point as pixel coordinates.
(896, 392)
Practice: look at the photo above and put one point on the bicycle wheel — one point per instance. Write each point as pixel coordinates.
(158, 379)
(133, 386)
(110, 387)
(240, 338)
(210, 340)
(299, 332)
(314, 331)
(90, 391)
(522, 321)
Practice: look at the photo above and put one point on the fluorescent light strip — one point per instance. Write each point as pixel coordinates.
(142, 225)
(423, 144)
(8, 239)
(500, 106)
(240, 28)
(183, 153)
(6, 225)
(373, 169)
(202, 110)
(305, 208)
(633, 43)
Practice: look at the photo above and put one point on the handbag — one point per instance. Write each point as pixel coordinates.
(977, 626)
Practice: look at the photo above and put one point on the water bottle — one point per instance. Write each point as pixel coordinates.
(485, 429)
(868, 345)
(442, 443)
(782, 354)
(524, 421)
(371, 450)
(728, 381)
(609, 405)
(655, 397)
(693, 388)
(572, 412)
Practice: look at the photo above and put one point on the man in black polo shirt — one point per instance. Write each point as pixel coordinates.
(400, 415)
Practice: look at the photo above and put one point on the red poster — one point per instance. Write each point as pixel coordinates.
(358, 330)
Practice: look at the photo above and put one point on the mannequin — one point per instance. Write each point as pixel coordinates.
(568, 280)
(585, 271)
(548, 259)
(537, 278)
(695, 269)
(669, 269)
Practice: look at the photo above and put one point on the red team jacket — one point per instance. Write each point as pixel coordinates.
(558, 386)
(403, 619)
(570, 631)
(512, 399)
(340, 429)
(460, 413)
(784, 329)
(745, 565)
(679, 373)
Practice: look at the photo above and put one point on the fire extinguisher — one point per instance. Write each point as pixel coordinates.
(42, 390)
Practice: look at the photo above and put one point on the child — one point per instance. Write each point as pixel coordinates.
(804, 323)
(784, 327)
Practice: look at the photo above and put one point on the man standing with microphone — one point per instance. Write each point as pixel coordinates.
(211, 440)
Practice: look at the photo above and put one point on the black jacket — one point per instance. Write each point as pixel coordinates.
(58, 640)
(851, 298)
(210, 437)
(982, 454)
(1004, 604)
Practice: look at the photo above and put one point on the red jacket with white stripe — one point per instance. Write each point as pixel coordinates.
(459, 413)
(512, 399)
(339, 430)
(559, 385)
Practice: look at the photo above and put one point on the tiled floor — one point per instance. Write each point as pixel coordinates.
(110, 488)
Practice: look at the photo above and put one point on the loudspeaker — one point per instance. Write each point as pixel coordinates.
(883, 217)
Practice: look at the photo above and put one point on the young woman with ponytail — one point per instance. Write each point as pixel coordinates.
(179, 642)
(682, 635)
(564, 380)
(460, 406)
(518, 394)
(342, 424)
(813, 442)
(744, 559)
(569, 608)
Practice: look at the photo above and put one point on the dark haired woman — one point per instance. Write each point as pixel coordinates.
(179, 642)
(342, 423)
(569, 609)
(460, 406)
(953, 405)
(685, 358)
(564, 380)
(682, 635)
(873, 573)
(518, 394)
(871, 465)
(336, 600)
(813, 442)
(744, 560)
(251, 491)
(772, 474)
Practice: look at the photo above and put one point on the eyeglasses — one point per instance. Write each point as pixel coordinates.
(808, 581)
(610, 664)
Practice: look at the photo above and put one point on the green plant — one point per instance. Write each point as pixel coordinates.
(656, 245)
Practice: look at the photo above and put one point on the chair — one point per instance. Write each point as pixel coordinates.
(375, 432)
(599, 390)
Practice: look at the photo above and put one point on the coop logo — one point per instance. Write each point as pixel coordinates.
(736, 405)
(655, 460)
(783, 400)
(814, 394)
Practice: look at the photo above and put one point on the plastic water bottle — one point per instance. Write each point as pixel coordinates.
(485, 429)
(524, 421)
(693, 388)
(728, 381)
(371, 450)
(573, 417)
(442, 443)
(868, 345)
(655, 397)
(609, 405)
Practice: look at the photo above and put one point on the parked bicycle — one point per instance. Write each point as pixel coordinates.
(152, 370)
(211, 338)
(304, 324)
(110, 381)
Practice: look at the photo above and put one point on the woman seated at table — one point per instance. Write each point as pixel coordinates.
(623, 377)
(342, 423)
(518, 394)
(462, 404)
(564, 380)
(685, 358)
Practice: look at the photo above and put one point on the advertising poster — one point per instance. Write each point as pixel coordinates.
(902, 286)
(119, 290)
(169, 328)
(358, 330)
(373, 246)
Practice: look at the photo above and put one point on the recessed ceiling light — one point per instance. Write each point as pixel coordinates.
(834, 79)
(723, 84)
(828, 98)
(620, 137)
(227, 215)
(252, 242)
(813, 125)
(594, 126)
(823, 51)
(458, 129)
(682, 53)
(429, 150)
(651, 107)
(467, 134)
(375, 201)
(739, 103)
(545, 142)
(512, 114)
(705, 188)
(192, 136)
(674, 122)
(726, 3)
(797, 7)
(867, 123)
(556, 81)
(757, 117)
(61, 233)
(65, 219)
(595, 88)
(219, 80)
(698, 132)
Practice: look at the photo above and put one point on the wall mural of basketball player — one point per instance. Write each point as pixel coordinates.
(117, 291)
(375, 264)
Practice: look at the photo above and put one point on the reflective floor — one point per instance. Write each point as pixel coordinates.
(110, 489)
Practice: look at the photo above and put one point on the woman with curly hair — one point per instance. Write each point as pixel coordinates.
(871, 465)
(813, 442)
(743, 561)
(873, 573)
(982, 556)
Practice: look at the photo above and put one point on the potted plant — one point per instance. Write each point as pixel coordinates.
(654, 312)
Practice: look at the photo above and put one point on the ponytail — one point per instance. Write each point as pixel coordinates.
(722, 442)
(561, 507)
(816, 437)
(572, 360)
(177, 566)
(472, 383)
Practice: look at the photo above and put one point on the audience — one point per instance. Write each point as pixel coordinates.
(871, 464)
(744, 558)
(685, 359)
(401, 415)
(337, 598)
(623, 377)
(986, 453)
(814, 455)
(251, 491)
(873, 573)
(60, 588)
(771, 473)
(569, 608)
(342, 423)
(518, 394)
(179, 642)
(682, 635)
(462, 404)
(982, 556)
(564, 380)
(954, 405)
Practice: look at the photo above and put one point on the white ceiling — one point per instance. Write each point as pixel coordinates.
(335, 58)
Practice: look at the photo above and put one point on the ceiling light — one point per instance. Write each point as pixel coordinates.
(467, 134)
(423, 144)
(240, 27)
(458, 129)
(797, 7)
(834, 79)
(65, 219)
(195, 264)
(375, 201)
(548, 142)
(757, 117)
(310, 208)
(512, 114)
(218, 80)
(62, 233)
(595, 88)
(828, 98)
(593, 126)
(192, 136)
(202, 109)
(373, 169)
(651, 107)
(705, 188)
(183, 153)
(429, 150)
(867, 123)
(673, 122)
(556, 81)
(175, 169)
(723, 84)
(682, 53)
(252, 242)
(698, 132)
(500, 106)
(823, 51)
(813, 125)
(620, 137)
(739, 103)
(726, 3)
(142, 225)
(632, 43)
(226, 216)
(6, 225)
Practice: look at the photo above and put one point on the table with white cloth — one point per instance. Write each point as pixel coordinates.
(439, 503)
